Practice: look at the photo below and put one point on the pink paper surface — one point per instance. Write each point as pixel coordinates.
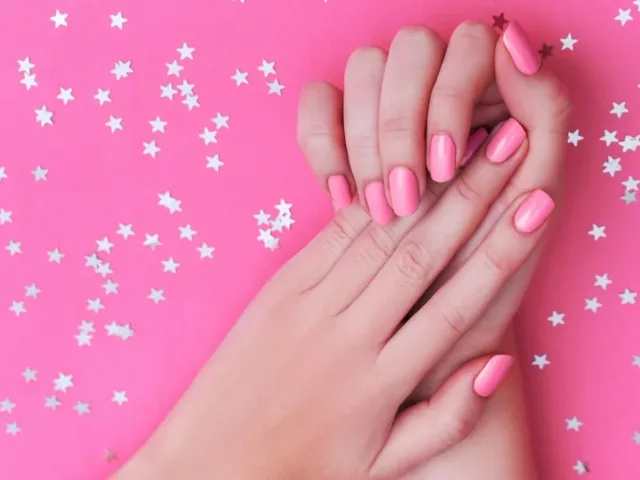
(97, 180)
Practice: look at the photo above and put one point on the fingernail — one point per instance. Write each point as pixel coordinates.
(533, 212)
(492, 375)
(340, 191)
(506, 141)
(377, 203)
(442, 158)
(524, 56)
(404, 191)
(474, 142)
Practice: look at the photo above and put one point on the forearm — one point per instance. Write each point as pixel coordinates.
(498, 449)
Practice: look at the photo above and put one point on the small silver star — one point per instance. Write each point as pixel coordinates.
(82, 408)
(12, 429)
(125, 231)
(52, 402)
(156, 296)
(7, 406)
(574, 424)
(55, 256)
(119, 397)
(580, 467)
(602, 281)
(629, 197)
(628, 297)
(540, 361)
(187, 232)
(592, 304)
(40, 174)
(32, 291)
(597, 232)
(29, 375)
(556, 318)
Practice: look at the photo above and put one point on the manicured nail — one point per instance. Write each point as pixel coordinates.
(492, 375)
(377, 203)
(524, 56)
(506, 141)
(404, 191)
(442, 158)
(340, 191)
(474, 142)
(533, 212)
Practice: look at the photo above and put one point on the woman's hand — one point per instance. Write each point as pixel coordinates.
(533, 96)
(310, 382)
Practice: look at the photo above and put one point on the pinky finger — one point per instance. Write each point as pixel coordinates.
(427, 429)
(321, 138)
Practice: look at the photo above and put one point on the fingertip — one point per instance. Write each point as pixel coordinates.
(518, 44)
(492, 375)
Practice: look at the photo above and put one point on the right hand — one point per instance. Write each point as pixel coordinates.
(389, 104)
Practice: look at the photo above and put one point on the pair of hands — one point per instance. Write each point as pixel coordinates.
(323, 376)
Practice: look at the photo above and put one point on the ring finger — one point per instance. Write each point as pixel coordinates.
(362, 87)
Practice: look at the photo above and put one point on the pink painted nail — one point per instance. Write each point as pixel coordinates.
(506, 141)
(442, 158)
(533, 212)
(492, 375)
(524, 56)
(404, 191)
(474, 142)
(377, 203)
(340, 191)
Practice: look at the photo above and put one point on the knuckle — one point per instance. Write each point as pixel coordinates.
(377, 246)
(363, 144)
(452, 93)
(498, 261)
(458, 427)
(453, 319)
(314, 138)
(413, 264)
(560, 104)
(399, 137)
(466, 191)
(340, 233)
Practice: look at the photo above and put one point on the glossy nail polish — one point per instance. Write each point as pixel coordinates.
(506, 141)
(524, 56)
(442, 158)
(404, 191)
(492, 375)
(533, 212)
(474, 142)
(340, 191)
(377, 202)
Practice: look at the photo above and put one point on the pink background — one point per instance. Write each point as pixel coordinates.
(97, 180)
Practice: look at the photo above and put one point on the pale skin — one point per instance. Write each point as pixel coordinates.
(342, 367)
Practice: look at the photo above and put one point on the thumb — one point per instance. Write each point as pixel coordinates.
(426, 429)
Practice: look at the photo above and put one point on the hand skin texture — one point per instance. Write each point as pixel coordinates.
(333, 372)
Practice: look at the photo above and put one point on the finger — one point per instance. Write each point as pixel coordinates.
(311, 265)
(461, 301)
(428, 248)
(427, 429)
(466, 73)
(412, 67)
(321, 138)
(541, 103)
(363, 84)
